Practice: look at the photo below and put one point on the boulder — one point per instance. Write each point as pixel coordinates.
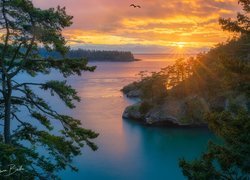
(133, 112)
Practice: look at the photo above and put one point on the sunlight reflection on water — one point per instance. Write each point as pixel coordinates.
(127, 150)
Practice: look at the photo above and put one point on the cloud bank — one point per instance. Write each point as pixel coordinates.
(159, 24)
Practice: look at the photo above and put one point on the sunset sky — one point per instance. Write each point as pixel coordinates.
(160, 26)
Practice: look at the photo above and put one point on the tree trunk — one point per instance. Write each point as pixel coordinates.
(7, 121)
(7, 112)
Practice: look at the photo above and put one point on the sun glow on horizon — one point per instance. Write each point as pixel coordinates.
(175, 24)
(180, 45)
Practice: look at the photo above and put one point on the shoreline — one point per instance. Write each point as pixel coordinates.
(166, 125)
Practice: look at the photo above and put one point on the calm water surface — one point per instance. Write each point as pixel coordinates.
(127, 150)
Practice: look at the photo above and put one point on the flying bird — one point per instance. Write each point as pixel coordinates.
(135, 6)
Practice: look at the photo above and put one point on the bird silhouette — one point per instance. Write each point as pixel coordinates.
(135, 6)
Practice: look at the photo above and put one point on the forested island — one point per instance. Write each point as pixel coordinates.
(92, 55)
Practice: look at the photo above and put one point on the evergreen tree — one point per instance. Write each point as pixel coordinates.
(38, 150)
(231, 158)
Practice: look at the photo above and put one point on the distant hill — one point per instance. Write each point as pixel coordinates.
(92, 55)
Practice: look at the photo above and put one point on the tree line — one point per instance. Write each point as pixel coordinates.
(91, 55)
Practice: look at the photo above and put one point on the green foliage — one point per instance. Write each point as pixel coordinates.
(153, 87)
(156, 86)
(145, 107)
(64, 91)
(229, 64)
(42, 119)
(34, 143)
(223, 69)
(230, 159)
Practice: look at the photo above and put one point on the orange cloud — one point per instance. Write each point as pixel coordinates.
(163, 23)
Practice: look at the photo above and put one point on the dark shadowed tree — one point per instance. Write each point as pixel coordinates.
(40, 150)
(242, 23)
(230, 159)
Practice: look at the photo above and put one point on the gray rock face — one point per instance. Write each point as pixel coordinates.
(175, 112)
(184, 112)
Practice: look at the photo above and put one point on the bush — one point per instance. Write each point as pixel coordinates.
(145, 107)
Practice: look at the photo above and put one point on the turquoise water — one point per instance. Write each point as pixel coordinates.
(127, 150)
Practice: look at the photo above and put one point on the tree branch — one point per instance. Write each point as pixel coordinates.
(14, 56)
(24, 58)
(6, 38)
(25, 84)
(19, 120)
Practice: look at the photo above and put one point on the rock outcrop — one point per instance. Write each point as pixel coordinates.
(189, 111)
(132, 90)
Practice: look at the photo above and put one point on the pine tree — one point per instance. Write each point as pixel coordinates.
(229, 159)
(23, 29)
